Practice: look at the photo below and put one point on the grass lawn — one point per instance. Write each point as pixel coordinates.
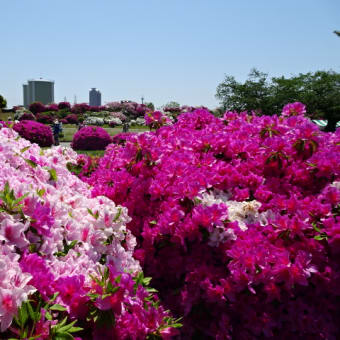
(69, 130)
(92, 153)
(5, 116)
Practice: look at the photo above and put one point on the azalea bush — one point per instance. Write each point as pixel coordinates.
(120, 138)
(72, 119)
(156, 119)
(66, 261)
(91, 138)
(64, 106)
(237, 221)
(45, 117)
(27, 116)
(35, 132)
(37, 107)
(128, 108)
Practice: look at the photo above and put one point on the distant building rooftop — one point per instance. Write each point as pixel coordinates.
(41, 79)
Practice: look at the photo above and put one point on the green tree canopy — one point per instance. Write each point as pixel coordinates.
(319, 91)
(3, 102)
(172, 104)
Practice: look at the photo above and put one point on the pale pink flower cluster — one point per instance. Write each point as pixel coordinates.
(56, 210)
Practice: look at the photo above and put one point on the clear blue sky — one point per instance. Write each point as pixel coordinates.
(165, 50)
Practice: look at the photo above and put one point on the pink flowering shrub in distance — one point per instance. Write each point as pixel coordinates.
(91, 138)
(37, 107)
(119, 115)
(52, 107)
(45, 117)
(155, 119)
(64, 106)
(80, 108)
(237, 220)
(27, 116)
(66, 258)
(72, 119)
(35, 132)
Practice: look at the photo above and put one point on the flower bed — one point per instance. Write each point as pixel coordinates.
(237, 221)
(66, 258)
(35, 132)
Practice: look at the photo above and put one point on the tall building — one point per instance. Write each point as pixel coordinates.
(95, 97)
(38, 90)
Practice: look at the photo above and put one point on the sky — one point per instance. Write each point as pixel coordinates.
(163, 50)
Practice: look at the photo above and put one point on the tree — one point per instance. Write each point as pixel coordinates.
(172, 105)
(254, 94)
(319, 91)
(3, 102)
(150, 105)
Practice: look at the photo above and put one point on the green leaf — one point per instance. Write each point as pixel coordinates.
(176, 325)
(34, 315)
(151, 290)
(146, 281)
(58, 307)
(25, 149)
(53, 174)
(22, 315)
(19, 199)
(153, 222)
(95, 215)
(66, 327)
(75, 329)
(41, 192)
(116, 218)
(31, 163)
(48, 316)
(316, 228)
(63, 336)
(54, 296)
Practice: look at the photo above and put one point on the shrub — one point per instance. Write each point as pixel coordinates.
(72, 118)
(114, 106)
(27, 116)
(94, 121)
(237, 221)
(35, 132)
(45, 117)
(66, 258)
(91, 138)
(114, 122)
(52, 107)
(121, 138)
(64, 106)
(37, 107)
(94, 108)
(80, 108)
(156, 119)
(119, 115)
(62, 113)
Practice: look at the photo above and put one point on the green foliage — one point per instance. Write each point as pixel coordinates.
(3, 102)
(172, 104)
(150, 105)
(34, 310)
(319, 91)
(9, 203)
